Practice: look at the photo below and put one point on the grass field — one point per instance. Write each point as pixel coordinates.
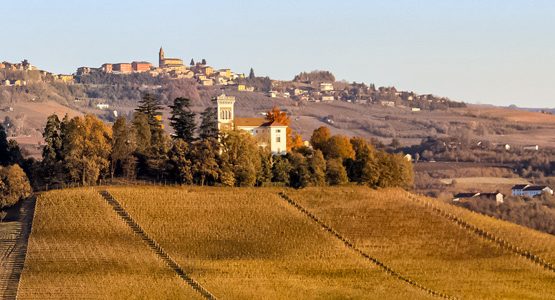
(79, 249)
(244, 243)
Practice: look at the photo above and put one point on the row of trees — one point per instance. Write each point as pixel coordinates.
(84, 149)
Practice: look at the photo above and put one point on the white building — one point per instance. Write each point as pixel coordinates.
(268, 134)
(326, 87)
(530, 190)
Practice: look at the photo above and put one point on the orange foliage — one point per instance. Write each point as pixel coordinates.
(276, 115)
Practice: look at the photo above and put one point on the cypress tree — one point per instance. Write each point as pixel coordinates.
(192, 63)
(251, 74)
(209, 124)
(4, 147)
(183, 119)
(150, 106)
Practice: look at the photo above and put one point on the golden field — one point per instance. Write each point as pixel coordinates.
(79, 249)
(245, 243)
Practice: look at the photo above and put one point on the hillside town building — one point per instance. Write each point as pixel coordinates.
(462, 197)
(269, 134)
(529, 190)
(169, 63)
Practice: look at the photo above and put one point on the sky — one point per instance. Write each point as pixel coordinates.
(488, 51)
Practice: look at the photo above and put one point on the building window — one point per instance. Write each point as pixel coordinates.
(278, 139)
(278, 130)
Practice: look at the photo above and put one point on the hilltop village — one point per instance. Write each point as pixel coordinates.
(316, 86)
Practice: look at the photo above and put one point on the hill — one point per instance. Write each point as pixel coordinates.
(245, 243)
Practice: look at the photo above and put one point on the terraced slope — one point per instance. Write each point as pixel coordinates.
(249, 244)
(432, 249)
(79, 248)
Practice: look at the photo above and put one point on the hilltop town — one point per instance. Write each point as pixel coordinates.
(316, 86)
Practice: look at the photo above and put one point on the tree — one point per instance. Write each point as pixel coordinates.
(192, 63)
(180, 162)
(204, 162)
(320, 137)
(240, 151)
(364, 167)
(251, 74)
(124, 145)
(335, 172)
(281, 169)
(299, 175)
(317, 169)
(209, 124)
(157, 157)
(296, 141)
(52, 151)
(14, 186)
(183, 119)
(339, 146)
(142, 131)
(87, 148)
(203, 62)
(150, 106)
(264, 176)
(4, 147)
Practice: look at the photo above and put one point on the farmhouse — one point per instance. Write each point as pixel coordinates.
(268, 134)
(530, 190)
(461, 197)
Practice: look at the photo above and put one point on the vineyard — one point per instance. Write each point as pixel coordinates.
(80, 249)
(267, 243)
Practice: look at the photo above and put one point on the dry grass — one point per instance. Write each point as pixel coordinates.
(250, 244)
(431, 249)
(79, 248)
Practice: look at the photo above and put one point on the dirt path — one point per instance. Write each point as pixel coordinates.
(14, 236)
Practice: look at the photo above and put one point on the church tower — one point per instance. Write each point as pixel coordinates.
(161, 58)
(225, 112)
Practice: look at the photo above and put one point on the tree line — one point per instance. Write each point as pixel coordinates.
(85, 150)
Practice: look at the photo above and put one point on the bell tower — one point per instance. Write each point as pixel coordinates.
(161, 58)
(225, 111)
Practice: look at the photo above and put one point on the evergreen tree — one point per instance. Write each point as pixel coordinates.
(209, 124)
(192, 63)
(124, 145)
(264, 176)
(52, 151)
(203, 62)
(4, 147)
(299, 175)
(142, 131)
(150, 106)
(183, 119)
(251, 74)
(180, 162)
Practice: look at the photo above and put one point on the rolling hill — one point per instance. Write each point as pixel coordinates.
(238, 243)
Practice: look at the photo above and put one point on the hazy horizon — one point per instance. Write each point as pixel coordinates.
(497, 52)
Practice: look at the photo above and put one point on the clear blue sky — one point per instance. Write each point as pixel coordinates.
(499, 52)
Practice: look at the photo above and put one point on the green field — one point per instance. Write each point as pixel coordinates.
(245, 243)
